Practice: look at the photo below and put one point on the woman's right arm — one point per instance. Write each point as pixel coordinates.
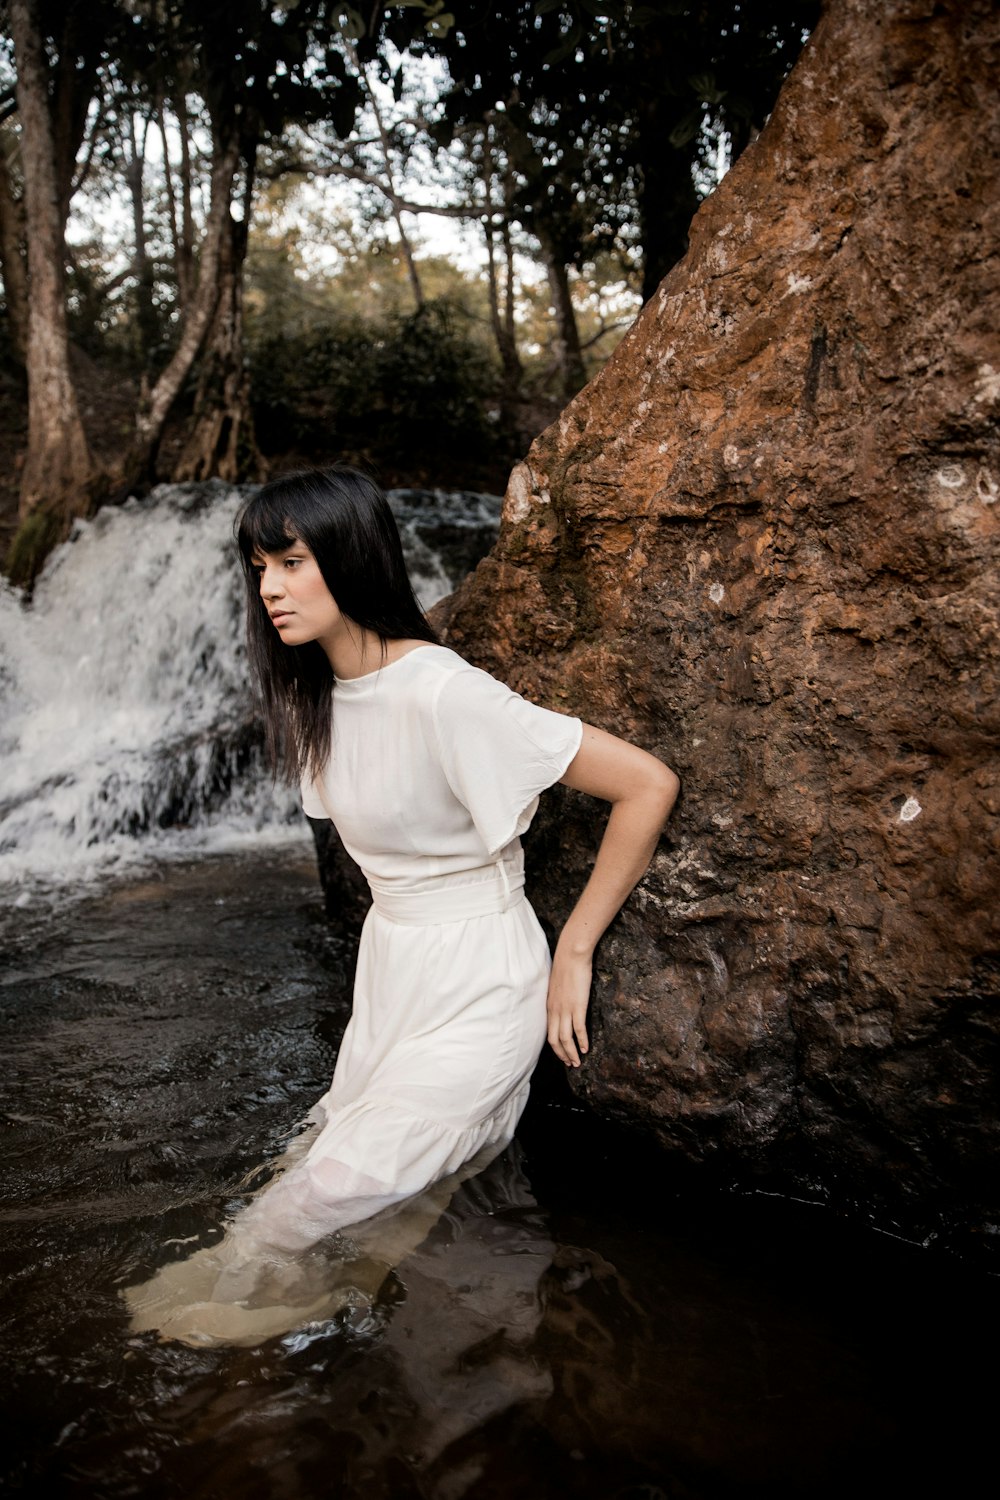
(642, 792)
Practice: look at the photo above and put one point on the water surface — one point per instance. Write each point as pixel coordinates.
(575, 1322)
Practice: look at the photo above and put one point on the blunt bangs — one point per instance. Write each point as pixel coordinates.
(265, 525)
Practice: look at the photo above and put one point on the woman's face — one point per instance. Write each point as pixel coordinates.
(296, 597)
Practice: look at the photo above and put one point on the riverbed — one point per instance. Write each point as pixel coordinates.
(576, 1321)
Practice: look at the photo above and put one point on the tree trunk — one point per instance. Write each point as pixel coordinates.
(501, 303)
(72, 85)
(667, 204)
(12, 266)
(544, 224)
(413, 275)
(135, 161)
(149, 426)
(503, 334)
(222, 442)
(184, 247)
(566, 351)
(510, 300)
(59, 471)
(667, 196)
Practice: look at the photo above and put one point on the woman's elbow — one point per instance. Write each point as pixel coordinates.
(664, 785)
(619, 771)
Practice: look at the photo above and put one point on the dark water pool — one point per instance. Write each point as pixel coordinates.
(573, 1324)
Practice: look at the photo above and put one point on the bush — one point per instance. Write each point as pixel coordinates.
(404, 388)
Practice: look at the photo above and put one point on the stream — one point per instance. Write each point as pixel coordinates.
(576, 1320)
(573, 1324)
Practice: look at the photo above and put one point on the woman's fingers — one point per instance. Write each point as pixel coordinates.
(573, 1037)
(569, 992)
(564, 1048)
(565, 1051)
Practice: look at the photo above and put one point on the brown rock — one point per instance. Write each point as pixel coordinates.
(763, 543)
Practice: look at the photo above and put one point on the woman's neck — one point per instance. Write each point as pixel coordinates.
(355, 651)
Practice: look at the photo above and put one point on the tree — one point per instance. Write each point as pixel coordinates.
(13, 267)
(250, 67)
(558, 156)
(579, 128)
(53, 98)
(604, 113)
(254, 66)
(689, 77)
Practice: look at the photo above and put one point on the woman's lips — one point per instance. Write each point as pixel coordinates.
(280, 615)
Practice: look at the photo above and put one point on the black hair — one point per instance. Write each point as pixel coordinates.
(344, 519)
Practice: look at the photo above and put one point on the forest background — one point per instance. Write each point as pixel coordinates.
(243, 236)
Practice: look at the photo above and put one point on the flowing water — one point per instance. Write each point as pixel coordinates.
(569, 1322)
(126, 724)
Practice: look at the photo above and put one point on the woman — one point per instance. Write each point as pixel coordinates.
(430, 769)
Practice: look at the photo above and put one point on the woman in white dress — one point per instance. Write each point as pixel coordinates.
(430, 769)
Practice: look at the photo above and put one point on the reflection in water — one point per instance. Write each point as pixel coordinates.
(239, 1292)
(559, 1325)
(447, 1328)
(463, 1341)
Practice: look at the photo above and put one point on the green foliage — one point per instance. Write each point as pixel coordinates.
(610, 114)
(578, 132)
(339, 360)
(34, 539)
(405, 389)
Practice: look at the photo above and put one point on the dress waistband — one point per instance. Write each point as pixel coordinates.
(436, 905)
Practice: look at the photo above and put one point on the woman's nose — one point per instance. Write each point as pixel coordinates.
(270, 584)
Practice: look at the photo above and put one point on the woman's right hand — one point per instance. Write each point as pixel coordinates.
(569, 995)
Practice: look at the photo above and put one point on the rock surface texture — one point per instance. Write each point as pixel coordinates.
(763, 543)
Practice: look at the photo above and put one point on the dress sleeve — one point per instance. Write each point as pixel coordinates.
(499, 752)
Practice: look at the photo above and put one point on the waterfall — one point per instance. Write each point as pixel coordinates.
(127, 724)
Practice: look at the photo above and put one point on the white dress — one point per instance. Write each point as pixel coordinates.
(434, 772)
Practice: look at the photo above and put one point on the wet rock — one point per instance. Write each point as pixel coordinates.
(763, 543)
(458, 527)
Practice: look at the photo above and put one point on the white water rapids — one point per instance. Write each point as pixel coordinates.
(126, 721)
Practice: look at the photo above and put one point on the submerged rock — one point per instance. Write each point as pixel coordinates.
(763, 543)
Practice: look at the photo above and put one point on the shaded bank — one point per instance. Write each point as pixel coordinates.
(763, 542)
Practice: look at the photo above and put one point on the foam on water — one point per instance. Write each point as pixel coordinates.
(126, 721)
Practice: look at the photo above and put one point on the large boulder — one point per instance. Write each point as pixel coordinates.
(763, 544)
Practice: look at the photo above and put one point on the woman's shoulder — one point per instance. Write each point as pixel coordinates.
(419, 672)
(443, 681)
(446, 664)
(437, 661)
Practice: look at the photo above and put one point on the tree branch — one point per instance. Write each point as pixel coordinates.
(100, 120)
(403, 205)
(595, 338)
